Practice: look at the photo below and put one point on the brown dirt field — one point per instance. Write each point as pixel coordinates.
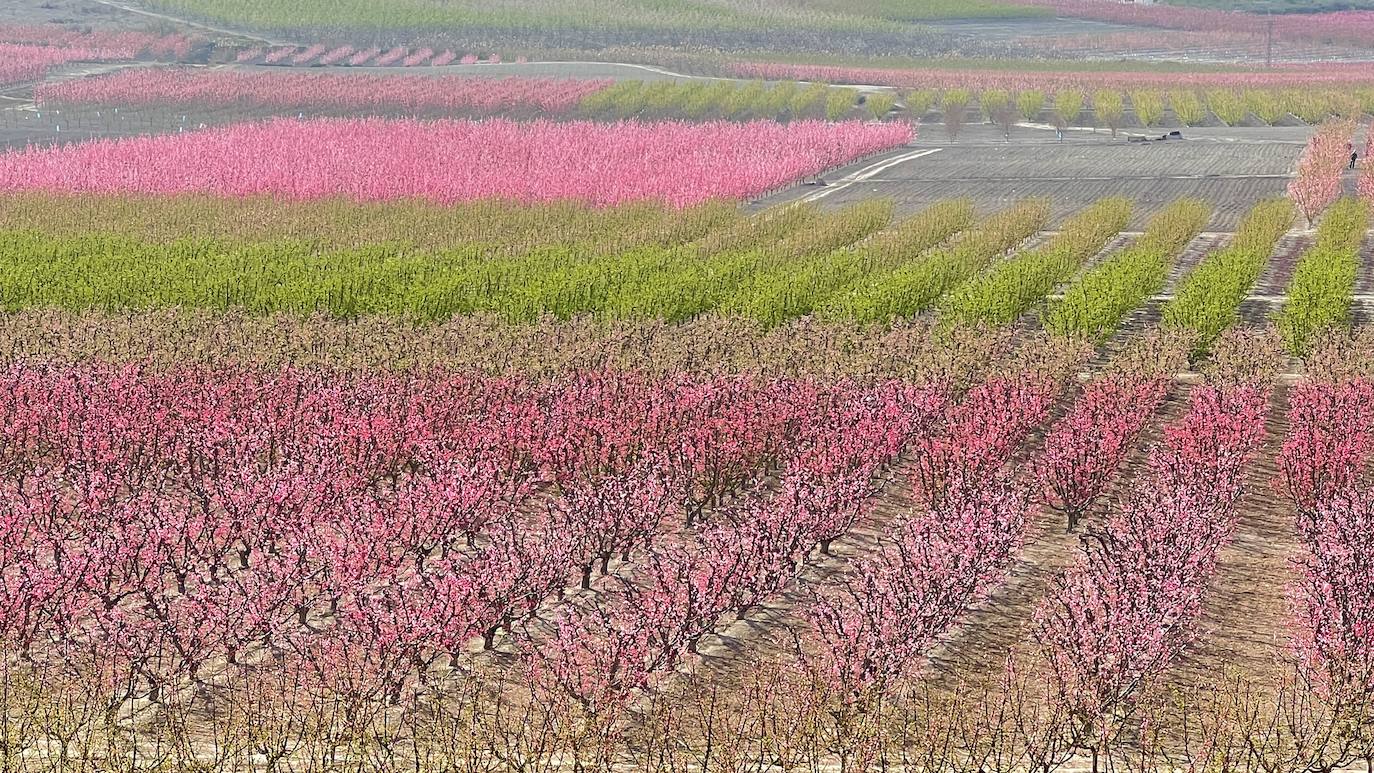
(1230, 168)
(1362, 310)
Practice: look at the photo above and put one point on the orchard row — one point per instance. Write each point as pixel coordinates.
(186, 539)
(450, 161)
(1000, 97)
(1108, 100)
(200, 89)
(854, 264)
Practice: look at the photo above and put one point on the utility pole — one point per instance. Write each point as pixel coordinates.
(1269, 41)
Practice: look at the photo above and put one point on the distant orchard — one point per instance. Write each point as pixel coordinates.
(451, 160)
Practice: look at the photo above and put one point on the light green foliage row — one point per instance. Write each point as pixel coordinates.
(1208, 301)
(734, 100)
(1112, 108)
(794, 289)
(774, 266)
(1009, 288)
(1094, 306)
(1319, 295)
(914, 286)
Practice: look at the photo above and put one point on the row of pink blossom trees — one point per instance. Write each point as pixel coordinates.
(1365, 179)
(306, 90)
(1086, 448)
(1113, 622)
(168, 530)
(1324, 473)
(25, 63)
(345, 55)
(29, 52)
(1355, 27)
(941, 78)
(1319, 176)
(454, 160)
(651, 614)
(878, 624)
(111, 43)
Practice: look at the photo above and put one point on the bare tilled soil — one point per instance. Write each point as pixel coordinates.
(1266, 298)
(1279, 272)
(1203, 244)
(1362, 310)
(1231, 169)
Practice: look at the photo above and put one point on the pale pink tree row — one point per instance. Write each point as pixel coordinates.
(112, 44)
(451, 160)
(880, 621)
(1334, 597)
(878, 624)
(1318, 181)
(364, 55)
(1365, 178)
(390, 56)
(1234, 44)
(345, 55)
(1111, 624)
(336, 55)
(307, 90)
(29, 62)
(1324, 466)
(1332, 75)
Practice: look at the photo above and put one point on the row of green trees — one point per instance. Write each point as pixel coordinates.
(1208, 301)
(1319, 295)
(1009, 288)
(858, 263)
(733, 100)
(774, 266)
(1107, 108)
(1115, 109)
(1095, 304)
